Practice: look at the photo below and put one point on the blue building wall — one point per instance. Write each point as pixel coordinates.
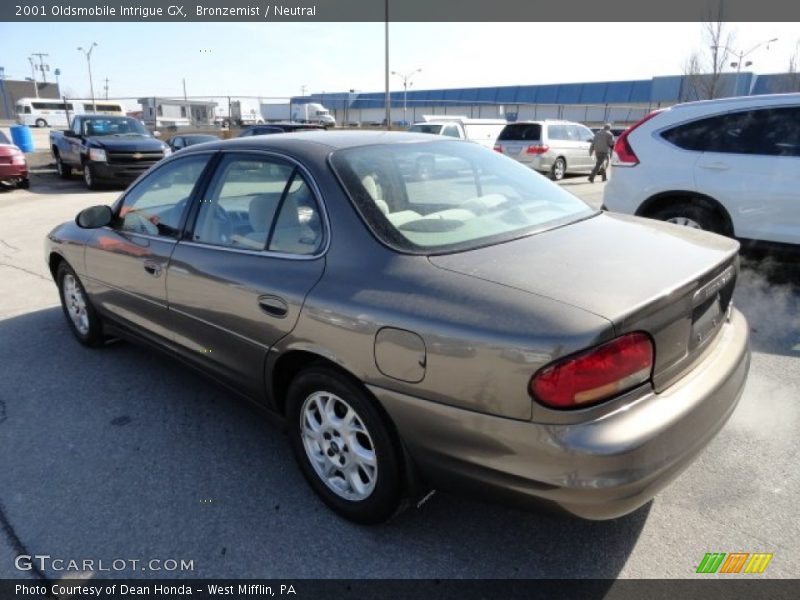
(652, 92)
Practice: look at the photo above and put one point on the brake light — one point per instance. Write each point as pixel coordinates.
(596, 374)
(498, 148)
(624, 156)
(537, 149)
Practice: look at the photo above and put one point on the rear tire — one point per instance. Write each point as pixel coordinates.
(558, 170)
(24, 183)
(64, 171)
(690, 215)
(344, 446)
(78, 310)
(89, 177)
(41, 123)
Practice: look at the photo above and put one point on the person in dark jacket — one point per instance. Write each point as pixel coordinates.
(601, 147)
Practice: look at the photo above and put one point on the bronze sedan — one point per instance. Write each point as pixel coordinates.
(421, 314)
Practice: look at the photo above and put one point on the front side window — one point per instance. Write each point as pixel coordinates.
(259, 204)
(156, 204)
(436, 197)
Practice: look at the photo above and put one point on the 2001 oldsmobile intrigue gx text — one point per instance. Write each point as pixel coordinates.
(422, 314)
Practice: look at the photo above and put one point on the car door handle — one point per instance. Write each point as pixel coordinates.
(273, 306)
(715, 166)
(153, 268)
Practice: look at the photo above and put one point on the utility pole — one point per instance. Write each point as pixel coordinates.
(88, 54)
(33, 76)
(42, 67)
(187, 108)
(106, 88)
(302, 90)
(386, 69)
(57, 72)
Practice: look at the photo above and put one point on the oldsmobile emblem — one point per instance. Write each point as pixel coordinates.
(137, 155)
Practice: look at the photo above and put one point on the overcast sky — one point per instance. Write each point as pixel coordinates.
(276, 59)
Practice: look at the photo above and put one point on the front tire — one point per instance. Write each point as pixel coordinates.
(344, 446)
(78, 310)
(24, 184)
(41, 123)
(559, 169)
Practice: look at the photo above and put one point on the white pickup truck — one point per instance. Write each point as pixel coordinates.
(480, 131)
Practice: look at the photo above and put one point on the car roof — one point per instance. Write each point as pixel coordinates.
(334, 140)
(740, 101)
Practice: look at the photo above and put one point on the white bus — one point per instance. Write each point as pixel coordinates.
(52, 112)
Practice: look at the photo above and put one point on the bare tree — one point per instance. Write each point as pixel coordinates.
(789, 81)
(703, 70)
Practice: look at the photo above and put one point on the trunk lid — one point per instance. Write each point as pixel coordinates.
(673, 282)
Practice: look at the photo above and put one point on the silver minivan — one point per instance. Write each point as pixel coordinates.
(551, 147)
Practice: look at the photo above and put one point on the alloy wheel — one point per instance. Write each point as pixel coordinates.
(338, 446)
(75, 302)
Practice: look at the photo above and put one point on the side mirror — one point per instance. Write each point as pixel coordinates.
(94, 217)
(69, 133)
(157, 134)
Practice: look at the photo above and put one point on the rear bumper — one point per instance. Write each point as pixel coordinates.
(13, 172)
(599, 469)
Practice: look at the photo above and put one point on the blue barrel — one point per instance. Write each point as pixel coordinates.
(21, 136)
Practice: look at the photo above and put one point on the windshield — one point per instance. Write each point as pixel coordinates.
(425, 128)
(97, 126)
(435, 197)
(3, 138)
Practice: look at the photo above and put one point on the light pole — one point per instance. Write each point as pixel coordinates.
(406, 77)
(33, 76)
(57, 73)
(741, 55)
(88, 54)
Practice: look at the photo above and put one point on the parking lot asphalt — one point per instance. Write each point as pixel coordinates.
(121, 453)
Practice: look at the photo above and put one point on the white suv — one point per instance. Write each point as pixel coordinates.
(730, 166)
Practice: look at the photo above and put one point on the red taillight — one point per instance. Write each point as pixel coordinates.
(596, 374)
(537, 149)
(498, 148)
(624, 156)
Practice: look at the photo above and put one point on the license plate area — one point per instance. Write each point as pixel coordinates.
(707, 319)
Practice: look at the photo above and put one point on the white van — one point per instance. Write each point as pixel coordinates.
(480, 131)
(43, 112)
(52, 112)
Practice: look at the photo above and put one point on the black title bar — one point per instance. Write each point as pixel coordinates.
(399, 10)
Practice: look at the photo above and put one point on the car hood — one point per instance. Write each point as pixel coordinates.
(8, 149)
(126, 144)
(611, 265)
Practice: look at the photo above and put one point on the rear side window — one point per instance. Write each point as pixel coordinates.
(522, 132)
(557, 132)
(767, 132)
(451, 130)
(257, 203)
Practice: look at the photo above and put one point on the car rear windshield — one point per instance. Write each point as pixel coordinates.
(423, 128)
(527, 132)
(447, 196)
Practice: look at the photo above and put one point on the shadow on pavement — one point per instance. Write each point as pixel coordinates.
(120, 452)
